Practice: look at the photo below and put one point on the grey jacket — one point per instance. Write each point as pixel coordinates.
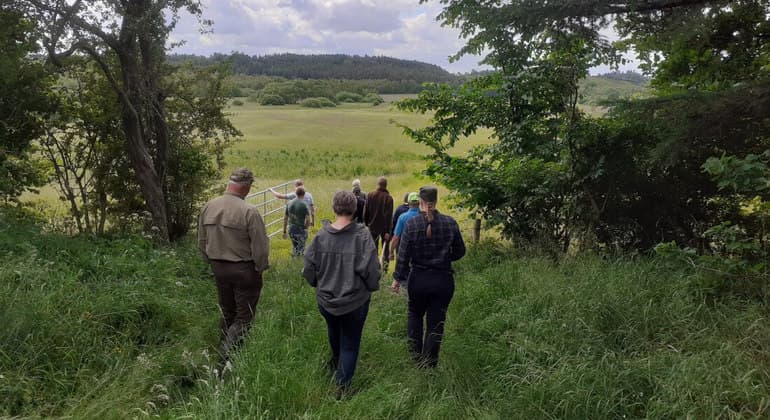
(343, 267)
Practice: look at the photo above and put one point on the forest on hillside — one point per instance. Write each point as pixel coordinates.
(327, 66)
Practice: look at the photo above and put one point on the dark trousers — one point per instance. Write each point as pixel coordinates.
(429, 295)
(238, 286)
(380, 237)
(345, 340)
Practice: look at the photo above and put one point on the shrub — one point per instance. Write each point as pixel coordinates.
(271, 99)
(348, 97)
(317, 103)
(373, 98)
(237, 102)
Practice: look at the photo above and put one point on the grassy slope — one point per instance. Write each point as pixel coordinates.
(96, 329)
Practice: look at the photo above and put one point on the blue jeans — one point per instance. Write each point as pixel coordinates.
(298, 237)
(345, 340)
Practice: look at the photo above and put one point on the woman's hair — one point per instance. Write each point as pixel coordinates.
(429, 196)
(344, 203)
(430, 208)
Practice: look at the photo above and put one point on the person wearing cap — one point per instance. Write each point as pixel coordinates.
(413, 209)
(341, 263)
(292, 195)
(297, 217)
(232, 239)
(378, 214)
(429, 244)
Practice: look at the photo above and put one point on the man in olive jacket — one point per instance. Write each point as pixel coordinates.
(232, 239)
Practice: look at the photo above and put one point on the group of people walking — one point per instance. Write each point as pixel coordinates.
(342, 263)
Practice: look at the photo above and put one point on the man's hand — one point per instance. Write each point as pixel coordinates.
(387, 236)
(285, 235)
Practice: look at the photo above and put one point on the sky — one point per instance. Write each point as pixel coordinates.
(402, 29)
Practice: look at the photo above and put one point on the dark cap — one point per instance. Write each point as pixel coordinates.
(242, 176)
(429, 193)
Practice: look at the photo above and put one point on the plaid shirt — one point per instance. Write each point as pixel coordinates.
(416, 251)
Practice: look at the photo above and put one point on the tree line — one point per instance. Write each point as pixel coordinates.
(325, 66)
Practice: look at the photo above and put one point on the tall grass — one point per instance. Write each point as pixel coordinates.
(117, 328)
(526, 338)
(91, 326)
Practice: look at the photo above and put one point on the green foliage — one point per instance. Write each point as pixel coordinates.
(237, 102)
(97, 328)
(348, 97)
(85, 144)
(627, 180)
(373, 98)
(739, 248)
(271, 99)
(317, 103)
(24, 99)
(329, 66)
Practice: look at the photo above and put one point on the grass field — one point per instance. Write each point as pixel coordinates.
(328, 148)
(119, 328)
(113, 329)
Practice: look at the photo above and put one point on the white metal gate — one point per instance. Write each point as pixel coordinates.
(272, 209)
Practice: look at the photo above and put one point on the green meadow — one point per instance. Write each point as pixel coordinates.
(119, 328)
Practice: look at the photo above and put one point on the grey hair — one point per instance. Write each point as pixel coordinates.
(344, 203)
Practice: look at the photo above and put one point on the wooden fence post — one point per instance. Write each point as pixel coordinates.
(476, 230)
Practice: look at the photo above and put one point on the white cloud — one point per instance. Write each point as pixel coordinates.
(398, 28)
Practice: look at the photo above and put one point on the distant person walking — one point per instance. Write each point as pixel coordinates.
(427, 247)
(357, 183)
(292, 195)
(378, 213)
(341, 263)
(360, 204)
(413, 209)
(297, 218)
(401, 209)
(232, 239)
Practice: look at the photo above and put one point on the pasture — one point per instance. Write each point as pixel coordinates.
(124, 329)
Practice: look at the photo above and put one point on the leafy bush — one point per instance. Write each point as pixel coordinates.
(237, 102)
(373, 98)
(348, 97)
(271, 99)
(317, 103)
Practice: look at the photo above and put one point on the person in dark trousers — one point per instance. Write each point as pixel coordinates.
(401, 209)
(341, 263)
(360, 204)
(232, 239)
(378, 216)
(429, 244)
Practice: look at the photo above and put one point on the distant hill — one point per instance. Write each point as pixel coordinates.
(332, 66)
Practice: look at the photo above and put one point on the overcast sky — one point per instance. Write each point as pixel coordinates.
(395, 28)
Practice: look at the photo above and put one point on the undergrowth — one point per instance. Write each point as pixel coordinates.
(119, 328)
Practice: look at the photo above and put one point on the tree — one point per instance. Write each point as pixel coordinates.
(631, 178)
(24, 84)
(127, 40)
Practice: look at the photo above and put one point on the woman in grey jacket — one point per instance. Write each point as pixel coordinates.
(341, 263)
